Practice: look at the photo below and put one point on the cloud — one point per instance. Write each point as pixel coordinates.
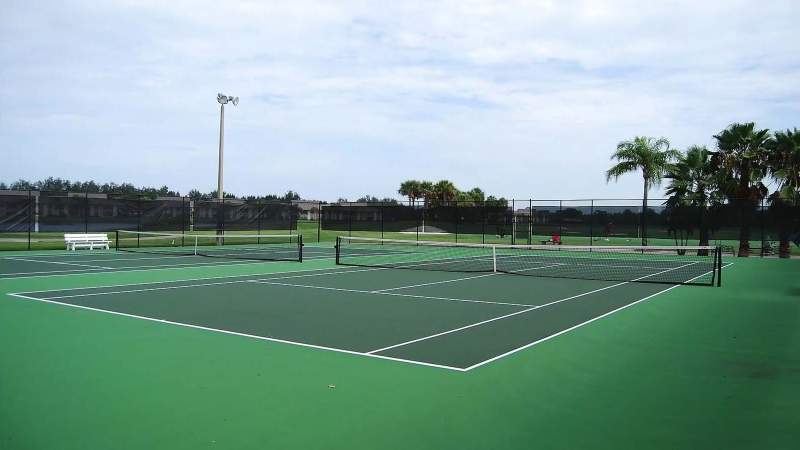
(340, 99)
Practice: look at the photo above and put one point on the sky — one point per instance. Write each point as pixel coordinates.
(342, 99)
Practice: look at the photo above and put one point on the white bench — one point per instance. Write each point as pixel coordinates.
(75, 241)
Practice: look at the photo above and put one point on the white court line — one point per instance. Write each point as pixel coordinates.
(377, 291)
(424, 338)
(430, 297)
(58, 262)
(235, 333)
(186, 286)
(566, 330)
(394, 294)
(187, 280)
(534, 268)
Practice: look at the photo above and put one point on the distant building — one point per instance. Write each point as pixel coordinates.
(308, 209)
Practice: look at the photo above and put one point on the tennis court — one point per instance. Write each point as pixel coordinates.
(446, 306)
(152, 251)
(472, 342)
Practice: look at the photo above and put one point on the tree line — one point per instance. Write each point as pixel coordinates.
(443, 192)
(54, 184)
(740, 170)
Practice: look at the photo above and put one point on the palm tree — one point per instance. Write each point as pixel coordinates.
(692, 182)
(445, 191)
(426, 191)
(476, 194)
(783, 165)
(411, 189)
(652, 156)
(741, 157)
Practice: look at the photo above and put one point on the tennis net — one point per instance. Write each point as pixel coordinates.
(266, 247)
(655, 264)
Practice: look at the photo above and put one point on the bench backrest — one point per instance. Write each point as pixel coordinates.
(85, 237)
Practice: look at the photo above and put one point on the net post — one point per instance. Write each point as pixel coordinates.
(494, 258)
(116, 240)
(337, 246)
(195, 244)
(719, 266)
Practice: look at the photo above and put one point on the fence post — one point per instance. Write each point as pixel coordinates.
(349, 220)
(86, 212)
(183, 221)
(259, 212)
(380, 209)
(417, 216)
(456, 207)
(424, 211)
(30, 217)
(761, 215)
(138, 213)
(591, 223)
(643, 223)
(530, 221)
(36, 211)
(319, 221)
(513, 221)
(221, 213)
(483, 222)
(138, 218)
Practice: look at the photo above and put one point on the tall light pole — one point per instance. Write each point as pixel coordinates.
(223, 100)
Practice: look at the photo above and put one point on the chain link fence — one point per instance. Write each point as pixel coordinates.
(37, 220)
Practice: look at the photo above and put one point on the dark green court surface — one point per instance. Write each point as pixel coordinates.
(456, 321)
(108, 350)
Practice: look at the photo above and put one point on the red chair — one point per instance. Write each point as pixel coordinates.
(555, 239)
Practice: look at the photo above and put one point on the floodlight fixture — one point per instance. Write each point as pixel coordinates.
(223, 100)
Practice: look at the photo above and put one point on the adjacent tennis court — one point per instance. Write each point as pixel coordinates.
(163, 251)
(443, 305)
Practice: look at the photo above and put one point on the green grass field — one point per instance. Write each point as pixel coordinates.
(694, 367)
